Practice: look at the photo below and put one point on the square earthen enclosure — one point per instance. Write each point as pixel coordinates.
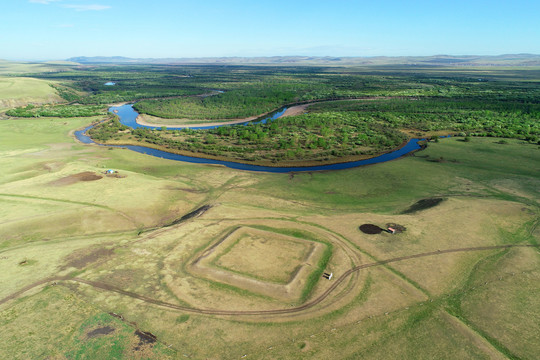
(260, 261)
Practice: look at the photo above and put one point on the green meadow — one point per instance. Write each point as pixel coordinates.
(93, 268)
(17, 91)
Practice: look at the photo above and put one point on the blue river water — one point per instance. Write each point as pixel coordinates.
(128, 115)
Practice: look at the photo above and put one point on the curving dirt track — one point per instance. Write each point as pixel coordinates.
(312, 303)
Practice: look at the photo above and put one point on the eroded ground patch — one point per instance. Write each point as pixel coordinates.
(75, 178)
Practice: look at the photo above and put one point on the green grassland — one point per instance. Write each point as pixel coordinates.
(57, 224)
(17, 91)
(10, 67)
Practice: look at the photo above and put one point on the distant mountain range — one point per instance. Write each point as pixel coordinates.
(436, 60)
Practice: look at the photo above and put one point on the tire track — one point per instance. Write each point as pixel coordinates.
(308, 305)
(80, 203)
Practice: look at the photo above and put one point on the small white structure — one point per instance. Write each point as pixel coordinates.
(328, 276)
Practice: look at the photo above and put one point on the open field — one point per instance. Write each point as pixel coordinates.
(98, 266)
(264, 262)
(263, 254)
(15, 91)
(10, 67)
(496, 209)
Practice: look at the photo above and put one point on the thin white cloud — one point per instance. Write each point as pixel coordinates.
(46, 2)
(93, 7)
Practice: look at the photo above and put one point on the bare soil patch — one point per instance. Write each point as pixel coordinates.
(370, 229)
(148, 120)
(80, 259)
(106, 330)
(142, 344)
(295, 110)
(145, 337)
(75, 178)
(116, 175)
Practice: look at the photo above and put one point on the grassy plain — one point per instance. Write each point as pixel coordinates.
(10, 67)
(263, 255)
(111, 269)
(18, 91)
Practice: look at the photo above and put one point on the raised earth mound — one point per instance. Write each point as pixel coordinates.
(370, 229)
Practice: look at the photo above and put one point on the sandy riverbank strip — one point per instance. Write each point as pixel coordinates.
(146, 120)
(296, 110)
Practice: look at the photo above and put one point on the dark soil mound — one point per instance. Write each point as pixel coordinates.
(72, 179)
(370, 229)
(88, 176)
(423, 204)
(116, 175)
(194, 213)
(398, 228)
(145, 337)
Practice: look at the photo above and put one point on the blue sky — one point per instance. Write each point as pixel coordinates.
(59, 29)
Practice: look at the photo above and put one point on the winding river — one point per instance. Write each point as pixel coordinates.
(128, 117)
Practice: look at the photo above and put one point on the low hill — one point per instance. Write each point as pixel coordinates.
(435, 60)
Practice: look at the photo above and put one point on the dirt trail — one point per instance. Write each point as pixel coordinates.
(308, 305)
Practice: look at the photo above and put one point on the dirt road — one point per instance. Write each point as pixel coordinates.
(308, 305)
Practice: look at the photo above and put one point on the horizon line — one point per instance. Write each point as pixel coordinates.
(270, 56)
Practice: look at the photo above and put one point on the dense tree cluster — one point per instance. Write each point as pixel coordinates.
(481, 117)
(241, 103)
(62, 111)
(107, 130)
